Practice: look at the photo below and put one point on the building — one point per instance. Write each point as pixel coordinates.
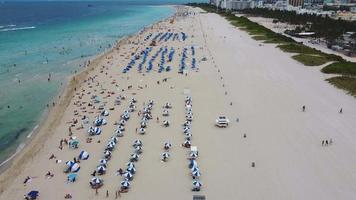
(296, 3)
(239, 4)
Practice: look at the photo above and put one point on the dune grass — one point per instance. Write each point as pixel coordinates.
(343, 68)
(311, 60)
(345, 83)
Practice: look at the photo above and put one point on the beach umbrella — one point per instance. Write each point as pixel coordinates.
(105, 113)
(83, 155)
(134, 156)
(101, 169)
(103, 161)
(69, 163)
(166, 123)
(137, 143)
(75, 167)
(188, 134)
(192, 164)
(121, 128)
(33, 194)
(193, 155)
(107, 154)
(141, 131)
(128, 175)
(165, 155)
(165, 113)
(138, 149)
(187, 143)
(143, 124)
(196, 173)
(167, 145)
(71, 177)
(125, 184)
(130, 164)
(97, 131)
(96, 180)
(119, 133)
(114, 139)
(132, 170)
(109, 147)
(197, 184)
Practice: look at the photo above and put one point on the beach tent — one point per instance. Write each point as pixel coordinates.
(75, 167)
(83, 155)
(73, 143)
(33, 194)
(72, 177)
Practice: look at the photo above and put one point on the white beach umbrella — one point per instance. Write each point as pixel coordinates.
(134, 157)
(103, 161)
(167, 145)
(128, 175)
(96, 180)
(197, 183)
(83, 155)
(125, 184)
(69, 163)
(165, 155)
(137, 143)
(75, 167)
(196, 173)
(193, 155)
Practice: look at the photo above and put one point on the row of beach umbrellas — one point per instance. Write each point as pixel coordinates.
(97, 182)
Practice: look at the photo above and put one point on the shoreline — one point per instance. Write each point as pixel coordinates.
(32, 144)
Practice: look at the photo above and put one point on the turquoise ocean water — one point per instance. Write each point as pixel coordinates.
(42, 38)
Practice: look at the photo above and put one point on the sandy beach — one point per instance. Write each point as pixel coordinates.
(257, 86)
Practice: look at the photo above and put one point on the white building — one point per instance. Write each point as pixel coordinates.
(239, 4)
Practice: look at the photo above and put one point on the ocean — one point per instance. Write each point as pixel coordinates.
(42, 39)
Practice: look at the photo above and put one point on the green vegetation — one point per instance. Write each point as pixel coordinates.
(323, 26)
(304, 54)
(345, 83)
(310, 60)
(343, 68)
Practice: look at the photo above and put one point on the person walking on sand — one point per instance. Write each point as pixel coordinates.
(322, 143)
(326, 142)
(340, 111)
(303, 108)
